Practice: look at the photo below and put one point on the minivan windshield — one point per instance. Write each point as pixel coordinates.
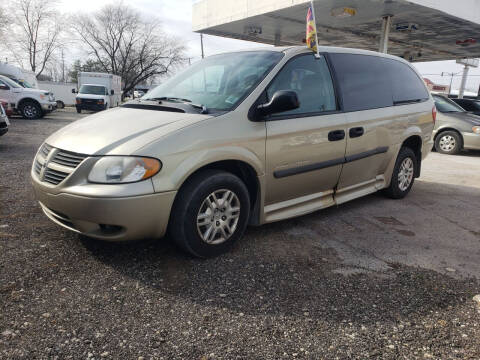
(92, 90)
(219, 82)
(445, 105)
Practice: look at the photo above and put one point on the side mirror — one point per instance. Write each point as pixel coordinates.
(282, 100)
(74, 91)
(4, 87)
(112, 92)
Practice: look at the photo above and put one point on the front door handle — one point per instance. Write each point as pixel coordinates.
(356, 132)
(336, 135)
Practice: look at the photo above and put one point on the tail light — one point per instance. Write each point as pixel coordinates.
(434, 114)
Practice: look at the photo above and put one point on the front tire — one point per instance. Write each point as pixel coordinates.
(210, 213)
(79, 110)
(30, 110)
(449, 142)
(403, 175)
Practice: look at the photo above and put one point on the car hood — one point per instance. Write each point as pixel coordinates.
(32, 91)
(120, 131)
(465, 116)
(90, 96)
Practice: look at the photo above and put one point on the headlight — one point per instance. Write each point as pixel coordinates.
(476, 129)
(123, 169)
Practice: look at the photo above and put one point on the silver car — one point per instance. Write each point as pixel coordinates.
(455, 128)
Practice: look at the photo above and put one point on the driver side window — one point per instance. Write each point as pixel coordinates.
(310, 78)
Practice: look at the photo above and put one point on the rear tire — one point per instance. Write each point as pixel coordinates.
(30, 110)
(449, 142)
(60, 104)
(210, 213)
(403, 175)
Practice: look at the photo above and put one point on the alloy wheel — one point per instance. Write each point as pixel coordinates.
(405, 174)
(218, 216)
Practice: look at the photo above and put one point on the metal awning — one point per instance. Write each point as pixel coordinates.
(421, 30)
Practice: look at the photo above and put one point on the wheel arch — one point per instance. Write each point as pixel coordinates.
(243, 170)
(414, 142)
(22, 101)
(447, 128)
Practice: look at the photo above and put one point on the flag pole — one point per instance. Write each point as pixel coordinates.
(316, 32)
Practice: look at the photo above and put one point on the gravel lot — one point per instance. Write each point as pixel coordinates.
(372, 278)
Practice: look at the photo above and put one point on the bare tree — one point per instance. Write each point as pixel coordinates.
(128, 44)
(35, 33)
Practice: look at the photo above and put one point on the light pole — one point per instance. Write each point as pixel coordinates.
(451, 80)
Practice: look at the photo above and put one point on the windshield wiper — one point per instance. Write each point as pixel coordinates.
(168, 98)
(202, 107)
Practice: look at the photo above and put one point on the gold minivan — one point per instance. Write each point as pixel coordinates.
(249, 137)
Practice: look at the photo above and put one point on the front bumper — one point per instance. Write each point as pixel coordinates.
(90, 106)
(471, 141)
(48, 107)
(108, 218)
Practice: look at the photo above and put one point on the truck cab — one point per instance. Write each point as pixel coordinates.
(92, 97)
(28, 102)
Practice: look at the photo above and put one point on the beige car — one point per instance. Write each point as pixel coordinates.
(239, 138)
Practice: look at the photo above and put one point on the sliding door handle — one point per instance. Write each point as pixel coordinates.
(356, 132)
(336, 135)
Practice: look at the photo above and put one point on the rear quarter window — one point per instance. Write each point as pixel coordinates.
(363, 80)
(406, 84)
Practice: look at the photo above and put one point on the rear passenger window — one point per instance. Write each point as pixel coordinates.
(406, 85)
(364, 81)
(310, 78)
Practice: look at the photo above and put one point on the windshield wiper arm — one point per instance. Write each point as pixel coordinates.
(167, 98)
(202, 107)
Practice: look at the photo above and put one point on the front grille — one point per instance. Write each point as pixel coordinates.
(37, 167)
(45, 149)
(54, 177)
(68, 158)
(53, 165)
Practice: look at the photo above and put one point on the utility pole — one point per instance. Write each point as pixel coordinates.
(201, 44)
(451, 74)
(63, 66)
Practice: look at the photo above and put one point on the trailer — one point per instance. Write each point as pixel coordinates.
(62, 92)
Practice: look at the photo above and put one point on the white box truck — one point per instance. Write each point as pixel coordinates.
(61, 91)
(98, 91)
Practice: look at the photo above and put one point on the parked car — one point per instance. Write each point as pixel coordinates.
(455, 129)
(30, 103)
(470, 105)
(7, 107)
(4, 123)
(279, 133)
(98, 91)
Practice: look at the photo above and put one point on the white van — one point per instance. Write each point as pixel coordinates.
(28, 102)
(98, 91)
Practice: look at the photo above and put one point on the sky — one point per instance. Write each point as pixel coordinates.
(176, 17)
